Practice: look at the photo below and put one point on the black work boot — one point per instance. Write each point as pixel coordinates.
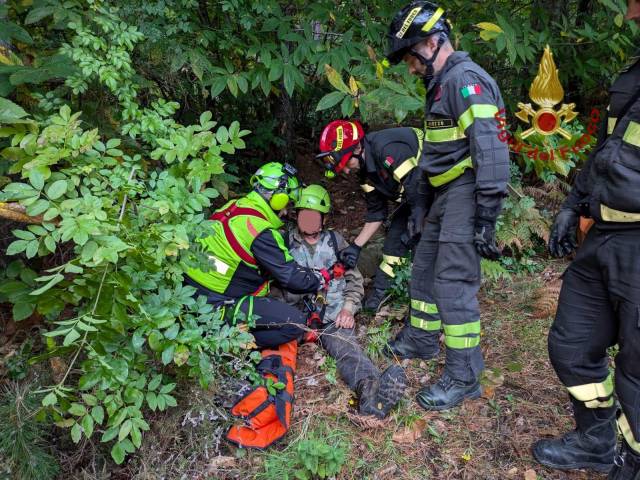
(374, 299)
(447, 392)
(591, 445)
(626, 464)
(377, 396)
(411, 342)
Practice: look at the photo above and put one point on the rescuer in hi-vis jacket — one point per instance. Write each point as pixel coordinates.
(386, 161)
(316, 247)
(246, 252)
(467, 167)
(599, 303)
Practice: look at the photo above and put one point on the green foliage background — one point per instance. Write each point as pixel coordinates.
(121, 123)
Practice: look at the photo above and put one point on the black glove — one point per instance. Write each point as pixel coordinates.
(484, 237)
(414, 227)
(562, 240)
(349, 256)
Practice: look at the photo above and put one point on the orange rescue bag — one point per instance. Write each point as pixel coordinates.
(266, 417)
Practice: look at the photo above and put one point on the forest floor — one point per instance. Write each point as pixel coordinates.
(484, 439)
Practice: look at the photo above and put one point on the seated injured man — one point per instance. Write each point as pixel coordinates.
(315, 247)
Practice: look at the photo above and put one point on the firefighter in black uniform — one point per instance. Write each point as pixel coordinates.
(599, 302)
(386, 161)
(467, 167)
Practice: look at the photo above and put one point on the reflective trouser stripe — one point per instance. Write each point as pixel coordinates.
(425, 307)
(451, 174)
(611, 125)
(387, 264)
(454, 335)
(459, 343)
(625, 430)
(632, 134)
(476, 111)
(612, 215)
(464, 329)
(594, 395)
(430, 325)
(444, 135)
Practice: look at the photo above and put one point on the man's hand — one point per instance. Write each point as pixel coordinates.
(345, 319)
(484, 239)
(349, 256)
(414, 226)
(562, 240)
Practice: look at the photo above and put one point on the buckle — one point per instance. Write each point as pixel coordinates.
(618, 461)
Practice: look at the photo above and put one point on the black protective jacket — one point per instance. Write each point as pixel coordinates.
(461, 131)
(608, 187)
(389, 173)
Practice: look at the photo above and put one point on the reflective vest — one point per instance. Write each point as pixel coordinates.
(235, 227)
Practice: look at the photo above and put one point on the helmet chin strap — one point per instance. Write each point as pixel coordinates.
(428, 62)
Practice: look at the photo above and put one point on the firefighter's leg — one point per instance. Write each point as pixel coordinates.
(455, 287)
(275, 322)
(393, 252)
(419, 338)
(584, 327)
(623, 273)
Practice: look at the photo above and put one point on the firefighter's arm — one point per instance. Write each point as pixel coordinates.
(273, 256)
(475, 101)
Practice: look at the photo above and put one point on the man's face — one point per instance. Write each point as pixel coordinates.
(310, 225)
(633, 11)
(353, 164)
(426, 48)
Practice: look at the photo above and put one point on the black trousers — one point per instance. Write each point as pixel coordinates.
(393, 249)
(599, 307)
(275, 322)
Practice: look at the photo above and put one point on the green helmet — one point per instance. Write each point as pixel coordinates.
(314, 197)
(279, 179)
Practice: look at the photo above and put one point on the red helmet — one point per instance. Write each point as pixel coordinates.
(337, 142)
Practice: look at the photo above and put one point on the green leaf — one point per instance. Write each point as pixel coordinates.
(76, 433)
(49, 399)
(136, 437)
(21, 311)
(97, 413)
(71, 337)
(155, 382)
(36, 179)
(110, 434)
(167, 354)
(10, 112)
(168, 388)
(40, 206)
(335, 79)
(170, 401)
(56, 189)
(17, 247)
(38, 13)
(77, 409)
(118, 453)
(87, 425)
(329, 100)
(55, 280)
(125, 428)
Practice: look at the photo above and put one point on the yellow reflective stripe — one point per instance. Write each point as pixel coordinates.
(429, 325)
(391, 260)
(625, 430)
(339, 138)
(632, 135)
(432, 21)
(354, 128)
(430, 308)
(611, 125)
(464, 329)
(612, 215)
(476, 111)
(451, 174)
(593, 391)
(367, 188)
(599, 403)
(404, 168)
(388, 269)
(445, 135)
(408, 21)
(459, 343)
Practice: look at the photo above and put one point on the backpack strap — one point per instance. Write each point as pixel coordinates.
(223, 216)
(334, 244)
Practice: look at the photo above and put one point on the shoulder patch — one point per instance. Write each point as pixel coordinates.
(471, 89)
(388, 161)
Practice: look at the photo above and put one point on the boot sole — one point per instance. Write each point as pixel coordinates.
(469, 396)
(596, 467)
(393, 384)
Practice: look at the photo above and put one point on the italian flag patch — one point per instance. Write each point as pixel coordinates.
(473, 89)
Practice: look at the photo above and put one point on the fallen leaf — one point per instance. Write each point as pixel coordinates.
(220, 462)
(488, 392)
(408, 435)
(512, 472)
(387, 471)
(58, 368)
(530, 474)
